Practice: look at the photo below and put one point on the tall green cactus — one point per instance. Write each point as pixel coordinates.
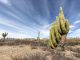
(4, 35)
(58, 29)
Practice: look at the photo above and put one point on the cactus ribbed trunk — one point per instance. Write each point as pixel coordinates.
(63, 42)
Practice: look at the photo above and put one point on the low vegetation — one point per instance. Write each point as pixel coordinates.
(35, 42)
(33, 49)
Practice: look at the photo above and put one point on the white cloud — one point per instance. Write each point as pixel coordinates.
(7, 2)
(71, 26)
(14, 24)
(70, 31)
(75, 33)
(14, 15)
(18, 35)
(46, 26)
(76, 22)
(8, 22)
(44, 30)
(21, 30)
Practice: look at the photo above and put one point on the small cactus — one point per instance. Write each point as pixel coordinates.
(58, 30)
(38, 37)
(4, 35)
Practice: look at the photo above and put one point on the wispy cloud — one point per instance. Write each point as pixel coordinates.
(75, 33)
(18, 27)
(45, 31)
(77, 22)
(7, 2)
(15, 35)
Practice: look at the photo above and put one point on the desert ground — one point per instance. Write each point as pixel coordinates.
(38, 52)
(25, 52)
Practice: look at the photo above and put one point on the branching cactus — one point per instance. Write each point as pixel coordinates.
(4, 35)
(59, 30)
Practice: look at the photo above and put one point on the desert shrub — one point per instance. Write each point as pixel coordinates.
(2, 43)
(60, 56)
(34, 42)
(74, 49)
(73, 41)
(77, 55)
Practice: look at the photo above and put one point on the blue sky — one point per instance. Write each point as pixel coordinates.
(25, 18)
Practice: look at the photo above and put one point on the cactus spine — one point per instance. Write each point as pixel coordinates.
(58, 29)
(4, 35)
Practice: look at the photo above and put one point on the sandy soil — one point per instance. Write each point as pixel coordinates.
(7, 52)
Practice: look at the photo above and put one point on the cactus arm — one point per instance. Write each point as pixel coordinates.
(62, 24)
(56, 34)
(52, 36)
(51, 42)
(67, 25)
(58, 24)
